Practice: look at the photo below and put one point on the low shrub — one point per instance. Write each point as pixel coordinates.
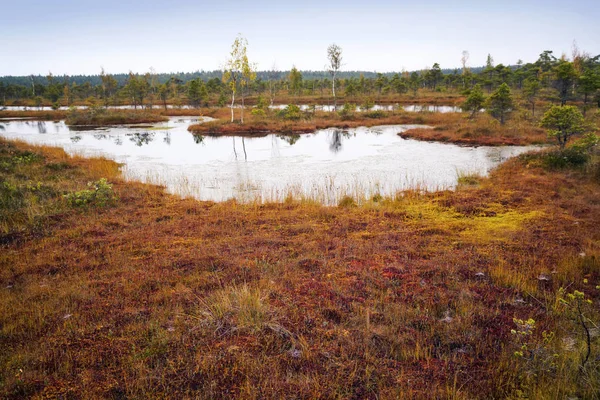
(259, 112)
(376, 114)
(99, 194)
(292, 113)
(367, 104)
(559, 159)
(347, 112)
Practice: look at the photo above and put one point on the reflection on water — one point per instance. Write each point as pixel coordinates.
(335, 141)
(323, 165)
(142, 138)
(41, 125)
(290, 139)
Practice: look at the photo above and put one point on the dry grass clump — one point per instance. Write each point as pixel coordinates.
(238, 309)
(483, 130)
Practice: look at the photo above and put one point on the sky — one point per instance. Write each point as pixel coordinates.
(81, 36)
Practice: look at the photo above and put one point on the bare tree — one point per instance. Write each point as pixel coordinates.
(464, 60)
(334, 55)
(465, 70)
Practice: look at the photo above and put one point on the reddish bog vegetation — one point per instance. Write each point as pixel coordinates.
(124, 291)
(482, 131)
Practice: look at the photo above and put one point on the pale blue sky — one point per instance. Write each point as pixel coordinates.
(78, 37)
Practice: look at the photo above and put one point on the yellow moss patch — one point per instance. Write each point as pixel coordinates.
(497, 227)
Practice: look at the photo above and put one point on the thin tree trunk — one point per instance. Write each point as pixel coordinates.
(232, 102)
(333, 90)
(243, 106)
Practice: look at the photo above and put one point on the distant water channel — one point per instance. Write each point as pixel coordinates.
(323, 166)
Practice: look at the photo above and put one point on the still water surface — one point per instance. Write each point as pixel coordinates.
(324, 165)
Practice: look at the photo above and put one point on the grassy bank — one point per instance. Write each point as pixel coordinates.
(520, 129)
(119, 290)
(484, 130)
(37, 115)
(104, 116)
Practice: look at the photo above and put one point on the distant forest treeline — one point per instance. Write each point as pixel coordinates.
(185, 77)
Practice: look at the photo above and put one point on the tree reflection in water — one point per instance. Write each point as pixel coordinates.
(41, 126)
(198, 139)
(290, 139)
(141, 138)
(335, 143)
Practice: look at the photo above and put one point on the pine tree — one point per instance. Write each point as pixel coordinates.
(474, 101)
(500, 103)
(531, 91)
(563, 122)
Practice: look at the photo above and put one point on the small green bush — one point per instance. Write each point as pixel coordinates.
(26, 157)
(291, 112)
(367, 104)
(375, 114)
(586, 143)
(261, 103)
(347, 112)
(99, 194)
(259, 112)
(559, 159)
(222, 100)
